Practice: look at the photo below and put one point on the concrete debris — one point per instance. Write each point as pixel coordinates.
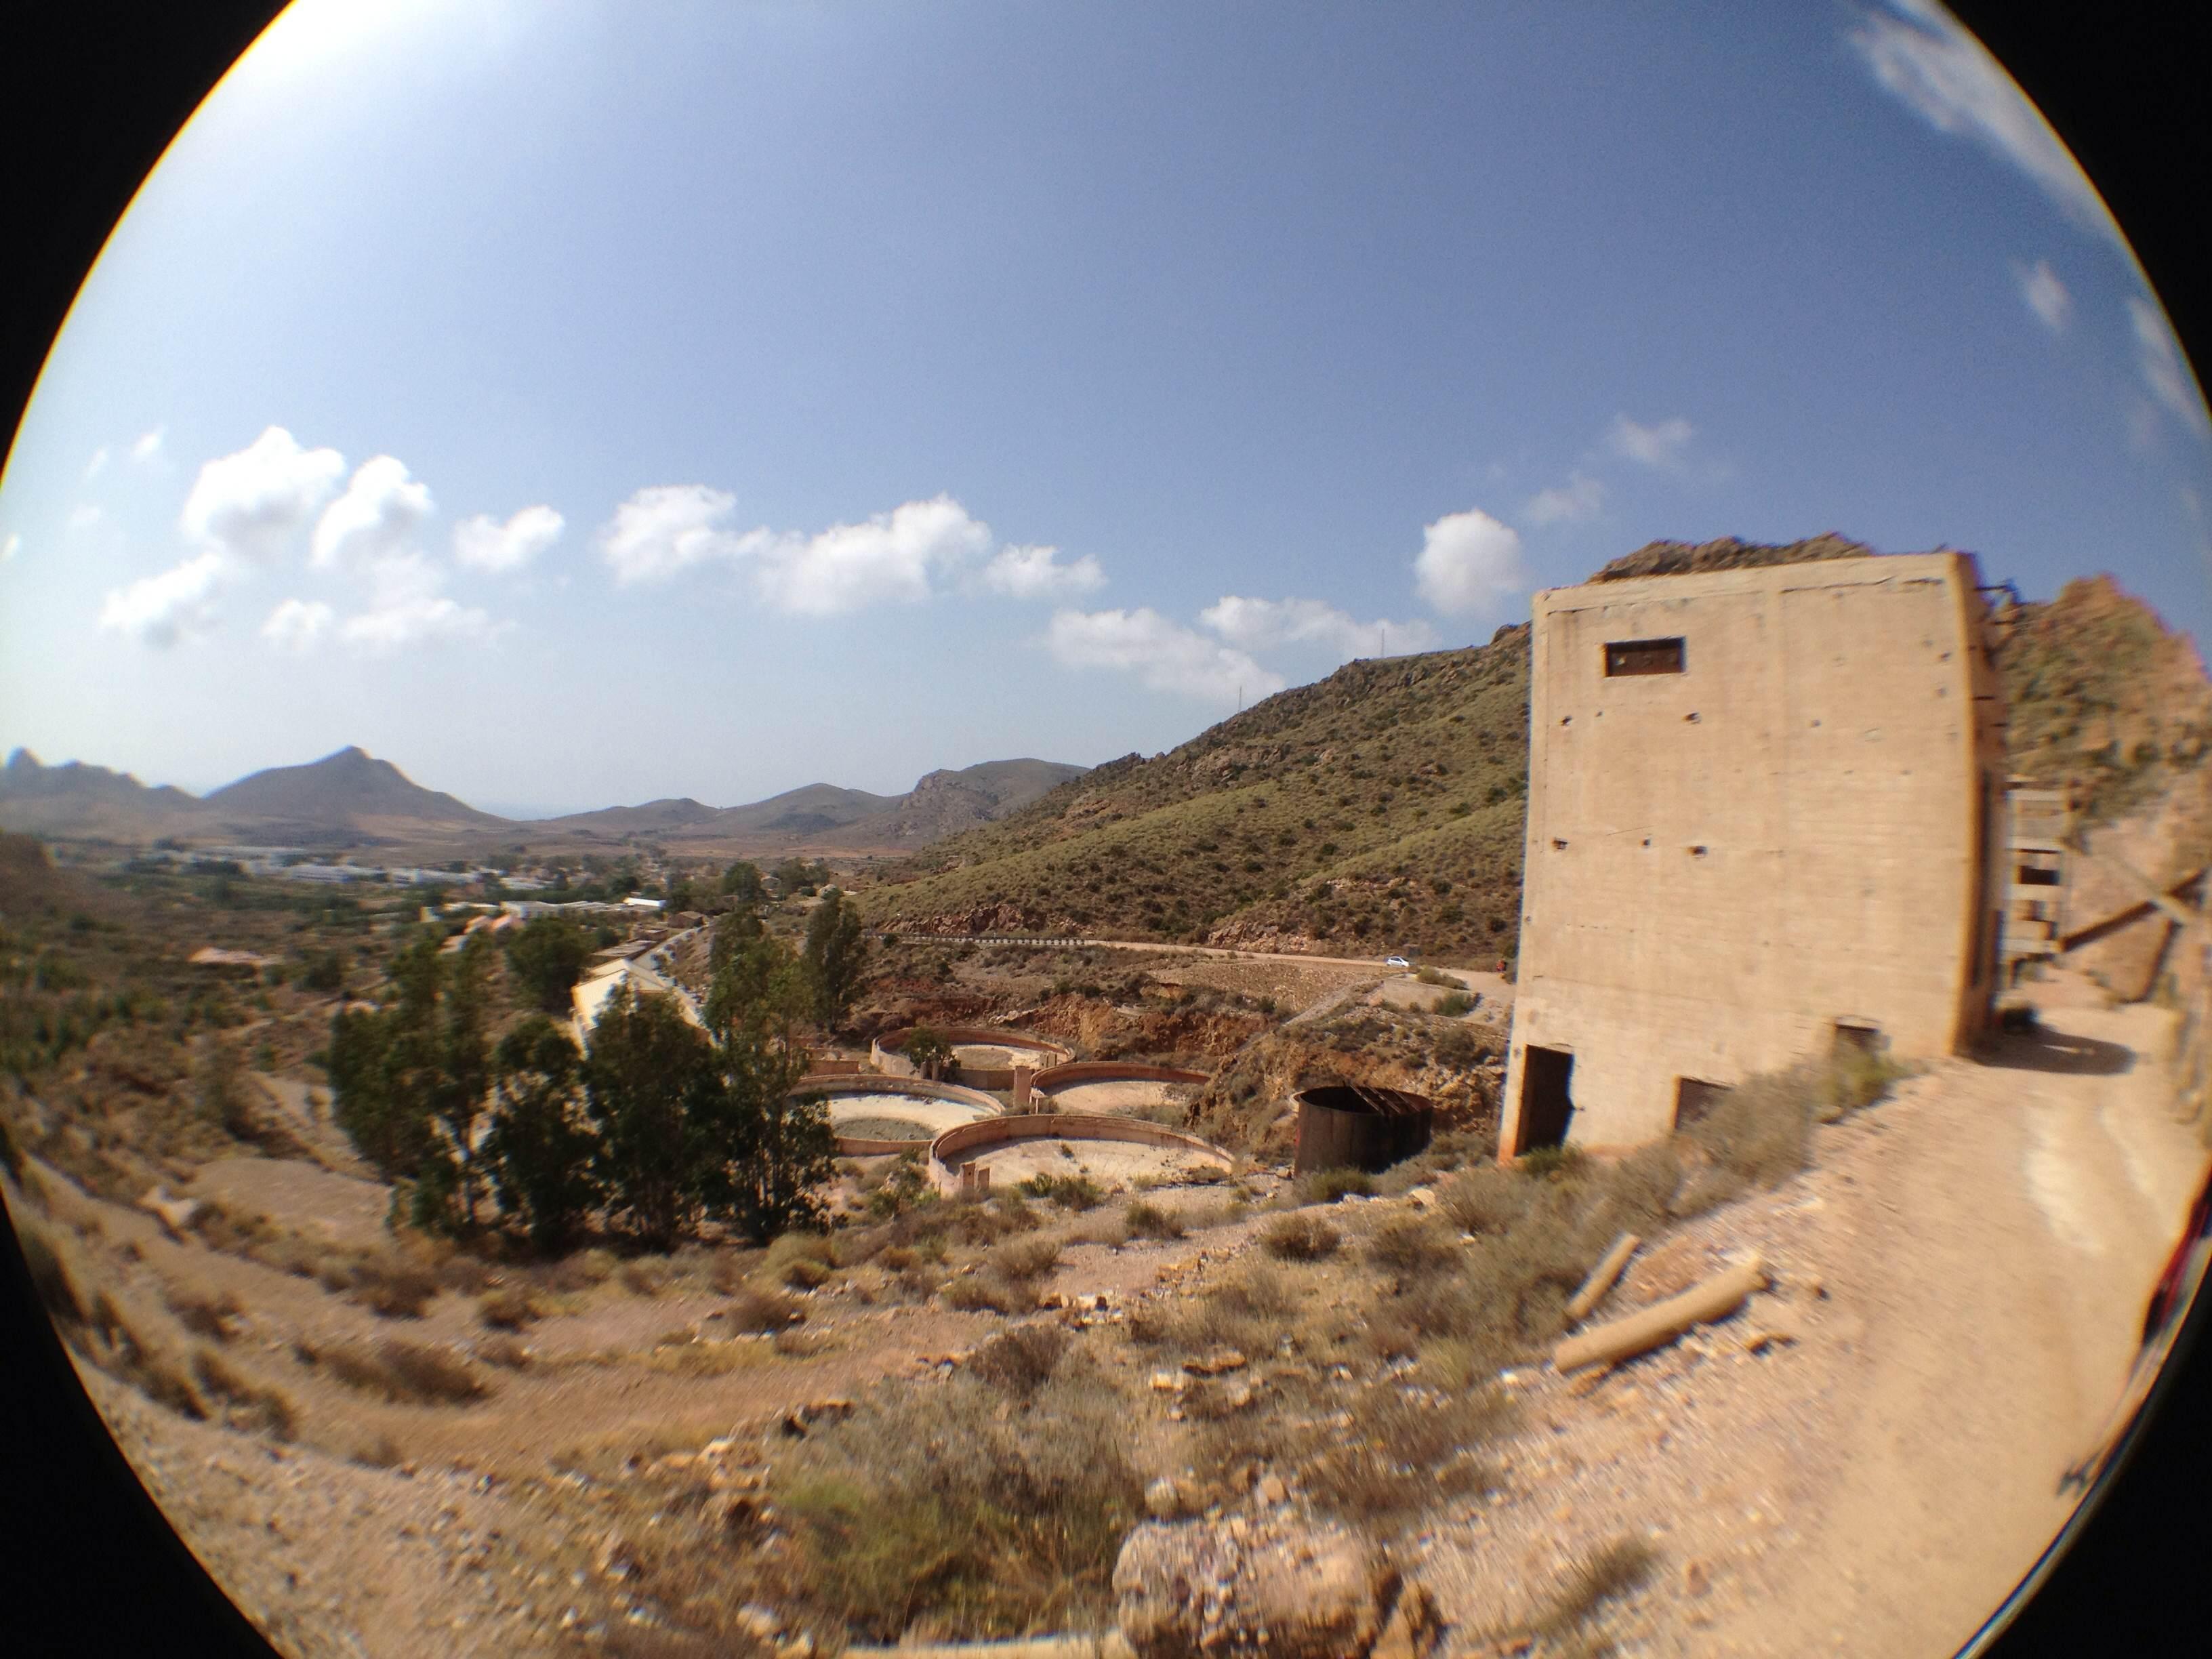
(1220, 1361)
(1292, 1587)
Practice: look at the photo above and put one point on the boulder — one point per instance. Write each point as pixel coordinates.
(1289, 1586)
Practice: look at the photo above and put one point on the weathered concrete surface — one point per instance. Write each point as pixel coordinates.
(1298, 1590)
(1800, 827)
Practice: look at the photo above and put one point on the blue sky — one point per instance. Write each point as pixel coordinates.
(581, 403)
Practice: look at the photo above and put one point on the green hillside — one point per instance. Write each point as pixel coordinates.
(1378, 808)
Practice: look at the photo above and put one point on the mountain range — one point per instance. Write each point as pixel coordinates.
(351, 799)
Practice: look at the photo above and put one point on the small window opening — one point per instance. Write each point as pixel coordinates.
(1856, 1037)
(1694, 1100)
(1643, 657)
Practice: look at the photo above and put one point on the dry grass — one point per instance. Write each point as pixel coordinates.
(203, 1313)
(405, 1373)
(252, 1406)
(506, 1352)
(388, 1287)
(1407, 1244)
(643, 1276)
(963, 1510)
(761, 1312)
(1020, 1360)
(1298, 1237)
(801, 1262)
(1327, 1186)
(509, 1308)
(1145, 1219)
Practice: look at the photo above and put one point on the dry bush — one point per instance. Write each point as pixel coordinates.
(259, 1408)
(583, 1271)
(1614, 1571)
(726, 1275)
(1021, 1259)
(1488, 1199)
(391, 1288)
(1144, 1219)
(380, 1452)
(1298, 1237)
(406, 1373)
(506, 1352)
(1021, 1361)
(509, 1308)
(1070, 1192)
(470, 1275)
(201, 1313)
(960, 1510)
(983, 1293)
(50, 1276)
(795, 1344)
(1407, 1244)
(1761, 1130)
(1327, 1186)
(643, 1276)
(759, 1311)
(803, 1262)
(1403, 1455)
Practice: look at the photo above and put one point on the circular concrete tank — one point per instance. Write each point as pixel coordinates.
(983, 1057)
(872, 1115)
(1350, 1126)
(1107, 1148)
(1109, 1086)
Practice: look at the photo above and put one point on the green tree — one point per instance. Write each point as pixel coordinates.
(742, 881)
(836, 957)
(781, 1148)
(654, 1097)
(928, 1050)
(546, 957)
(538, 1151)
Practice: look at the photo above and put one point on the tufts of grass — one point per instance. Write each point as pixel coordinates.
(50, 1276)
(1613, 1571)
(762, 1312)
(1020, 1360)
(803, 1262)
(406, 1373)
(643, 1276)
(391, 1288)
(264, 1409)
(1145, 1219)
(201, 1313)
(1453, 1004)
(1070, 1192)
(1327, 1186)
(962, 1509)
(1298, 1237)
(1408, 1244)
(509, 1308)
(504, 1351)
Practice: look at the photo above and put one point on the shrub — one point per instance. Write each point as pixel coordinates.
(49, 1277)
(407, 1373)
(1453, 1004)
(642, 1276)
(1148, 1220)
(1411, 1244)
(1611, 1571)
(1020, 1361)
(1553, 1163)
(504, 1351)
(761, 1312)
(261, 1409)
(1300, 1237)
(390, 1289)
(1070, 1192)
(1437, 976)
(945, 1508)
(203, 1314)
(801, 1260)
(1021, 1259)
(1327, 1186)
(507, 1310)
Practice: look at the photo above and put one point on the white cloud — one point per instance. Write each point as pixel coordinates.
(1468, 563)
(1659, 445)
(12, 546)
(97, 464)
(2164, 370)
(249, 505)
(178, 604)
(148, 444)
(663, 531)
(1263, 624)
(83, 518)
(669, 528)
(297, 625)
(1577, 499)
(376, 520)
(1036, 573)
(483, 543)
(1923, 58)
(415, 621)
(891, 556)
(2046, 296)
(1163, 655)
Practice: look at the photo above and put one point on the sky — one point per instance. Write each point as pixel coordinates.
(581, 403)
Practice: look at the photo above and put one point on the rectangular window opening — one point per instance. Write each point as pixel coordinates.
(1643, 657)
(1857, 1037)
(1694, 1100)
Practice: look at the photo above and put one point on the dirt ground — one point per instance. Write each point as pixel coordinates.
(1864, 1462)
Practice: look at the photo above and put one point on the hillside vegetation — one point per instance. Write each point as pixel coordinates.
(1379, 807)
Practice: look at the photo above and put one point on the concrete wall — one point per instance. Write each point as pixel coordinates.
(1057, 1126)
(887, 1053)
(1111, 1071)
(1802, 827)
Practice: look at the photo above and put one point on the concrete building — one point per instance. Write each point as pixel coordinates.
(1765, 819)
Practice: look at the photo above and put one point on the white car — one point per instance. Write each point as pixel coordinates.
(1395, 962)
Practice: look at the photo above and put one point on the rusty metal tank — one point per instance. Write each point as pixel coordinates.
(1351, 1126)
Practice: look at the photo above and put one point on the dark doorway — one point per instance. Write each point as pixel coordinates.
(1855, 1038)
(1546, 1105)
(1694, 1100)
